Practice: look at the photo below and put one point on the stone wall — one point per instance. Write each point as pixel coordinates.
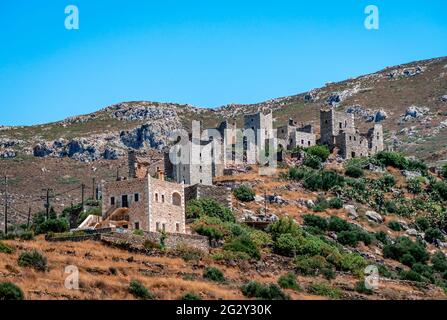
(375, 139)
(352, 145)
(198, 191)
(172, 241)
(166, 206)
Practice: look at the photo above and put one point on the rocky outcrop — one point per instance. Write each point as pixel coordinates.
(374, 216)
(154, 134)
(7, 154)
(414, 112)
(444, 98)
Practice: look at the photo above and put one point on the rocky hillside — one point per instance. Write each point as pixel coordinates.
(410, 100)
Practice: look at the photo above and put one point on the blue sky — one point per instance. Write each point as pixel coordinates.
(206, 53)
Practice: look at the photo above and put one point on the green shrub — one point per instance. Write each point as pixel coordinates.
(323, 289)
(352, 262)
(410, 275)
(382, 237)
(312, 161)
(244, 193)
(288, 281)
(189, 253)
(230, 256)
(286, 245)
(394, 225)
(283, 226)
(360, 287)
(404, 246)
(387, 181)
(414, 186)
(10, 291)
(433, 234)
(210, 208)
(4, 248)
(390, 206)
(335, 203)
(315, 221)
(354, 171)
(138, 232)
(33, 259)
(213, 274)
(393, 159)
(84, 215)
(321, 152)
(422, 223)
(190, 297)
(26, 235)
(243, 244)
(347, 238)
(211, 227)
(297, 174)
(328, 273)
(56, 225)
(310, 265)
(439, 262)
(440, 187)
(260, 238)
(337, 224)
(138, 290)
(254, 289)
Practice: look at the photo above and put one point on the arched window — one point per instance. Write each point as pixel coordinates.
(176, 199)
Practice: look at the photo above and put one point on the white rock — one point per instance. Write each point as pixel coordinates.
(374, 216)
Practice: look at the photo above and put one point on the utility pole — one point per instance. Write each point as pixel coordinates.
(94, 189)
(82, 195)
(47, 201)
(265, 202)
(6, 204)
(29, 217)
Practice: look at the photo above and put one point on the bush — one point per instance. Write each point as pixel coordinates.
(393, 159)
(310, 265)
(286, 245)
(33, 259)
(354, 171)
(260, 238)
(352, 262)
(360, 287)
(254, 289)
(10, 291)
(138, 232)
(323, 180)
(138, 290)
(410, 275)
(297, 173)
(315, 221)
(394, 225)
(190, 297)
(230, 256)
(210, 208)
(244, 193)
(323, 289)
(440, 188)
(288, 281)
(335, 203)
(337, 224)
(84, 215)
(439, 262)
(283, 226)
(422, 223)
(26, 235)
(382, 237)
(56, 225)
(387, 181)
(213, 274)
(391, 206)
(414, 186)
(210, 227)
(405, 247)
(313, 162)
(4, 248)
(347, 238)
(433, 234)
(328, 273)
(243, 244)
(321, 152)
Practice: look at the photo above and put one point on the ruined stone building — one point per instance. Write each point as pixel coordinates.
(291, 135)
(141, 166)
(149, 204)
(338, 131)
(262, 126)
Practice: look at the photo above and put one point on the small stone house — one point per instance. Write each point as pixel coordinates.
(150, 204)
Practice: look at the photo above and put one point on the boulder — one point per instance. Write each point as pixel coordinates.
(380, 116)
(412, 232)
(403, 225)
(444, 98)
(352, 212)
(41, 150)
(374, 216)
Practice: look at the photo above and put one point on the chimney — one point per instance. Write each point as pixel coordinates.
(161, 175)
(131, 159)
